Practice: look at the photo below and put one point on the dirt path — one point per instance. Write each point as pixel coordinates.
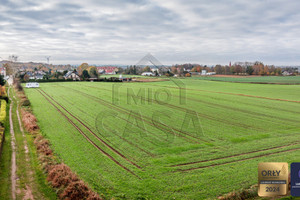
(16, 190)
(27, 191)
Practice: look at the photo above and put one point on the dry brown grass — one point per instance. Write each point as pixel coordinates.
(61, 177)
(250, 193)
(75, 191)
(42, 145)
(29, 121)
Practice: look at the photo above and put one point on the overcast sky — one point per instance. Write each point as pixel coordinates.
(174, 31)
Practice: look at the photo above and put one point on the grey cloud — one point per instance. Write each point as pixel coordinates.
(203, 31)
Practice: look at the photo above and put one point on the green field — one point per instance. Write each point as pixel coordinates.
(196, 142)
(256, 79)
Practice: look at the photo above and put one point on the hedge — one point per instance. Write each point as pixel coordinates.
(47, 80)
(3, 112)
(3, 94)
(2, 120)
(1, 138)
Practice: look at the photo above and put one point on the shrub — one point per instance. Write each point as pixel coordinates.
(25, 102)
(43, 146)
(61, 177)
(1, 138)
(29, 121)
(18, 85)
(76, 191)
(3, 91)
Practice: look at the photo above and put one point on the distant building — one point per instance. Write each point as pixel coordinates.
(148, 74)
(205, 73)
(38, 76)
(107, 70)
(72, 75)
(2, 71)
(286, 73)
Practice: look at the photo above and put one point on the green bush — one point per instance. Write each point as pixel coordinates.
(25, 102)
(2, 112)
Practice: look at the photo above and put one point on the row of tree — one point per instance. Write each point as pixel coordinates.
(258, 68)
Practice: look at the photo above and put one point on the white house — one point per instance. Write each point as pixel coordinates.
(32, 85)
(286, 73)
(72, 75)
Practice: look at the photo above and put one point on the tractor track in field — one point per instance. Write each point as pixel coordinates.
(88, 139)
(213, 105)
(235, 161)
(149, 121)
(232, 156)
(112, 131)
(150, 100)
(264, 106)
(236, 94)
(142, 117)
(97, 137)
(96, 99)
(207, 116)
(256, 105)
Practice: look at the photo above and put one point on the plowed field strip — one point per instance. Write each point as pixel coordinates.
(86, 137)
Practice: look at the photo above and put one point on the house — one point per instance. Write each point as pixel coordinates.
(154, 70)
(286, 73)
(38, 76)
(148, 74)
(31, 76)
(107, 70)
(2, 71)
(72, 75)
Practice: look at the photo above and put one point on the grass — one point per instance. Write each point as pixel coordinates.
(256, 79)
(5, 163)
(209, 146)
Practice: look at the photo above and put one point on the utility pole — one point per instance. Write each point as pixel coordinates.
(48, 59)
(13, 59)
